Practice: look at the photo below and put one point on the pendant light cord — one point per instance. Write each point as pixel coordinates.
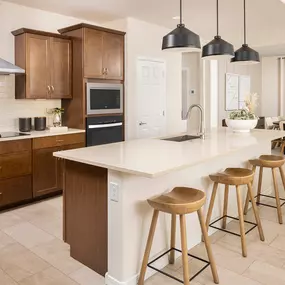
(217, 17)
(180, 12)
(244, 26)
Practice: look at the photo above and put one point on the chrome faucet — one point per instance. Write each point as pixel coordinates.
(201, 123)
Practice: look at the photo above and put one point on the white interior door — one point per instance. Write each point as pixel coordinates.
(151, 91)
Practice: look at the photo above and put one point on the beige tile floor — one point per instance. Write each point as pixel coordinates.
(32, 252)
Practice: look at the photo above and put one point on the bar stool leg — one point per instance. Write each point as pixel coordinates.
(279, 211)
(247, 196)
(225, 212)
(186, 277)
(211, 206)
(148, 247)
(256, 214)
(282, 174)
(241, 222)
(259, 185)
(173, 238)
(208, 247)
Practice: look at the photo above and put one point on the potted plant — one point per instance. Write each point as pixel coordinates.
(244, 120)
(56, 112)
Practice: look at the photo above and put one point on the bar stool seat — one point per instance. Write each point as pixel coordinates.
(180, 201)
(236, 177)
(233, 176)
(273, 162)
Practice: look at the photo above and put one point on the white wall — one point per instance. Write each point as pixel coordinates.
(254, 71)
(144, 40)
(14, 17)
(269, 100)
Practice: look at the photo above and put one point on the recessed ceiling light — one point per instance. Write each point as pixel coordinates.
(283, 1)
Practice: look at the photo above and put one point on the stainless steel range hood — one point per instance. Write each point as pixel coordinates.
(9, 68)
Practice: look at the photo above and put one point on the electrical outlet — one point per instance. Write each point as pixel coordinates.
(114, 192)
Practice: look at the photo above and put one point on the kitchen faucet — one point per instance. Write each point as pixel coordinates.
(201, 123)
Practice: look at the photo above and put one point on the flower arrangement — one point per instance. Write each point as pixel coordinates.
(247, 113)
(56, 112)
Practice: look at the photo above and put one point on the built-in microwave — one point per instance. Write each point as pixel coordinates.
(104, 98)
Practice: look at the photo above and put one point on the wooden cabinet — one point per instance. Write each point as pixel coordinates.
(47, 170)
(103, 55)
(113, 57)
(47, 60)
(15, 171)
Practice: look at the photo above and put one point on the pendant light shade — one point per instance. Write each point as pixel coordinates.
(218, 48)
(181, 39)
(245, 55)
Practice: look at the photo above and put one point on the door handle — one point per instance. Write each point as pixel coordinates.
(49, 89)
(52, 88)
(142, 123)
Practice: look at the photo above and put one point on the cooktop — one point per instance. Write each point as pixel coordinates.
(11, 134)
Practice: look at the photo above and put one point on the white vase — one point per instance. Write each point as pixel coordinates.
(57, 120)
(241, 126)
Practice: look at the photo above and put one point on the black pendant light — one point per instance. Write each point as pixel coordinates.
(245, 55)
(218, 48)
(181, 39)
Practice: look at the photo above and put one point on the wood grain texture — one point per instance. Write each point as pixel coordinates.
(93, 54)
(15, 146)
(86, 215)
(84, 25)
(184, 249)
(61, 68)
(78, 104)
(37, 66)
(37, 32)
(45, 171)
(15, 190)
(113, 56)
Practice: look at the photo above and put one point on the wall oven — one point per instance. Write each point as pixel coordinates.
(104, 98)
(104, 130)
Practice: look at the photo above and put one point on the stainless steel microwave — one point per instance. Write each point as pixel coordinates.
(104, 98)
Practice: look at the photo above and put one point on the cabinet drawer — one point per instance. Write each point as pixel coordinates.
(15, 146)
(59, 140)
(15, 190)
(15, 164)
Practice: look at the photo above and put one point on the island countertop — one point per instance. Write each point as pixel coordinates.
(155, 157)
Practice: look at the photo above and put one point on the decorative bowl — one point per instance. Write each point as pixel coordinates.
(241, 126)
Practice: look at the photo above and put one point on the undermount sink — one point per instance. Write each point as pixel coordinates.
(182, 138)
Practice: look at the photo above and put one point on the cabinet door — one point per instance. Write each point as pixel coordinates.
(113, 58)
(37, 67)
(45, 171)
(60, 68)
(93, 54)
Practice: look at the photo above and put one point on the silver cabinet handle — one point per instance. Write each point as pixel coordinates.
(52, 88)
(142, 123)
(49, 89)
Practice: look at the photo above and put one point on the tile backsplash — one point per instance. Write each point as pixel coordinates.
(12, 109)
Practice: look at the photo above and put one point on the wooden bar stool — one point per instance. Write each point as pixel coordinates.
(273, 162)
(236, 177)
(180, 201)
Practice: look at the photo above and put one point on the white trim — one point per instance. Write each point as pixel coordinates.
(109, 280)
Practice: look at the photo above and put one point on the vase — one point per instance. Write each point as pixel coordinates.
(241, 126)
(57, 120)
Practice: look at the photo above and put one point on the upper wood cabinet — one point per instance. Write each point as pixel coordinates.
(47, 60)
(103, 55)
(102, 51)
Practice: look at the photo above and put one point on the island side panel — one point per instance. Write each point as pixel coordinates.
(86, 214)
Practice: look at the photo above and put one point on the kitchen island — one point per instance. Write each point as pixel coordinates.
(106, 216)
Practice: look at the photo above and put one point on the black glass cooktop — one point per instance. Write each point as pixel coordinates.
(11, 135)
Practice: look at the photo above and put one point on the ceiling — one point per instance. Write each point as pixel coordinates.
(266, 18)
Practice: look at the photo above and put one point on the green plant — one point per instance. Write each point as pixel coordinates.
(247, 113)
(57, 111)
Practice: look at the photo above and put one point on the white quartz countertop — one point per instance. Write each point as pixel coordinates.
(155, 157)
(39, 134)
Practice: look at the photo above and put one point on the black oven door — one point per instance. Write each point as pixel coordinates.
(104, 130)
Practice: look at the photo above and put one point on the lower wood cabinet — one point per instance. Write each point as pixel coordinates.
(15, 190)
(45, 169)
(29, 170)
